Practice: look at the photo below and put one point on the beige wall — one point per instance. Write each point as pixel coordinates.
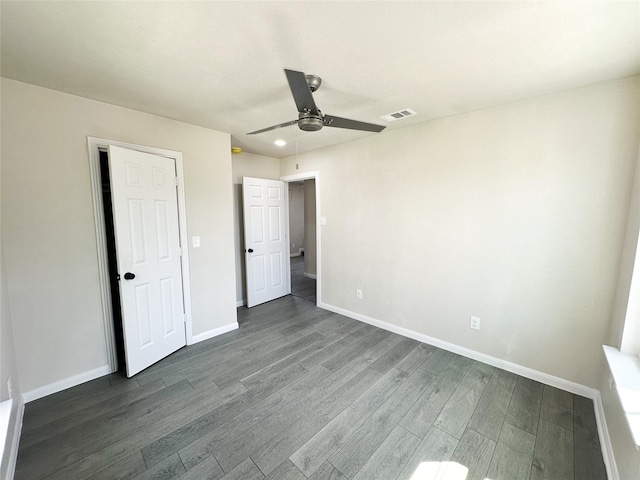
(247, 165)
(514, 214)
(310, 252)
(48, 225)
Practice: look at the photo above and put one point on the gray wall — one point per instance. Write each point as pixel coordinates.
(48, 228)
(515, 214)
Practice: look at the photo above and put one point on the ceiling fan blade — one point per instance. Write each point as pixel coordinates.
(338, 122)
(301, 92)
(273, 127)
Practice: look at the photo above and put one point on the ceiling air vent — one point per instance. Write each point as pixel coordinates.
(392, 117)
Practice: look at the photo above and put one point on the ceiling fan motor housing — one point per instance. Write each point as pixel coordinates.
(309, 122)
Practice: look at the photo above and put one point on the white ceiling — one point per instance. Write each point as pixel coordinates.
(220, 64)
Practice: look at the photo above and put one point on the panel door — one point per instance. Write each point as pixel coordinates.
(265, 237)
(145, 210)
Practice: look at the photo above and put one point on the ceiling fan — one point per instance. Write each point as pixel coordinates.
(310, 118)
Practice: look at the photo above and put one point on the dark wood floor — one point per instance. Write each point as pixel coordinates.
(298, 392)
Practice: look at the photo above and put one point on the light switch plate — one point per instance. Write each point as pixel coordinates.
(196, 242)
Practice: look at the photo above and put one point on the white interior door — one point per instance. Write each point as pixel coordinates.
(265, 240)
(145, 211)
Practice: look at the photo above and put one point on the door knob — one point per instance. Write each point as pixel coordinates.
(129, 276)
(250, 250)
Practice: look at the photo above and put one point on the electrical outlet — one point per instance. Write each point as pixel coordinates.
(359, 294)
(474, 323)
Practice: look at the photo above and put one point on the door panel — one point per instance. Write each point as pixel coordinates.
(267, 265)
(145, 210)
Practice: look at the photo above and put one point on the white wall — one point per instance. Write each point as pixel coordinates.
(296, 217)
(515, 214)
(48, 225)
(247, 165)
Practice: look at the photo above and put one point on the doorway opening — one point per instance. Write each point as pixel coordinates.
(302, 239)
(107, 209)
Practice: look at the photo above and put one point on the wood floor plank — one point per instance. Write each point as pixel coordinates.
(247, 470)
(474, 452)
(390, 359)
(199, 402)
(458, 411)
(190, 432)
(390, 457)
(553, 454)
(318, 379)
(209, 469)
(168, 469)
(434, 450)
(491, 411)
(124, 470)
(428, 407)
(331, 437)
(441, 358)
(524, 410)
(287, 429)
(416, 358)
(341, 359)
(513, 455)
(253, 363)
(286, 471)
(89, 437)
(358, 449)
(557, 407)
(64, 404)
(589, 464)
(326, 471)
(89, 413)
(267, 373)
(367, 358)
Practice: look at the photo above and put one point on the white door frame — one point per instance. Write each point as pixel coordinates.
(95, 146)
(314, 175)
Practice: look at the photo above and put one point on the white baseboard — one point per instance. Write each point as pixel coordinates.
(65, 383)
(310, 275)
(541, 377)
(201, 337)
(241, 303)
(9, 453)
(605, 440)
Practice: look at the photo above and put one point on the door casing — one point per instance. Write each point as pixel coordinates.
(95, 145)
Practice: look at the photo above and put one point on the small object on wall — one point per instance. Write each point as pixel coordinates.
(196, 242)
(236, 150)
(474, 323)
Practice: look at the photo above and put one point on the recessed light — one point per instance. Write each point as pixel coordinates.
(280, 143)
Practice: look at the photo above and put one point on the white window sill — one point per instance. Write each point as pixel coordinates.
(625, 370)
